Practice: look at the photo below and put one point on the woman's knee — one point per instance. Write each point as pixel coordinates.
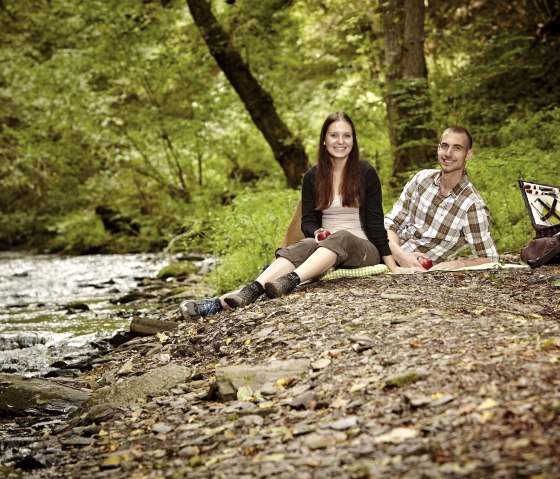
(342, 238)
(298, 252)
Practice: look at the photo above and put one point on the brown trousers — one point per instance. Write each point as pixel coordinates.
(351, 251)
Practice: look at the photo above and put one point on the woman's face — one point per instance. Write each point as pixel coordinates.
(339, 139)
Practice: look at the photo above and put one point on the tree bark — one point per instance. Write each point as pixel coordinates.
(288, 150)
(406, 90)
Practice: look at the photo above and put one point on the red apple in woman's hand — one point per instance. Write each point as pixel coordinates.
(426, 263)
(323, 235)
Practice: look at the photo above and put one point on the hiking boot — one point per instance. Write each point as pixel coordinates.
(246, 296)
(195, 309)
(283, 285)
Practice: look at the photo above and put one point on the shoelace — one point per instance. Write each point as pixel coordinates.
(207, 307)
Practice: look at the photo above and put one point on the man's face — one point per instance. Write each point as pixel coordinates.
(453, 152)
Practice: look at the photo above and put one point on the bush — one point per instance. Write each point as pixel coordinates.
(81, 233)
(245, 234)
(14, 228)
(495, 173)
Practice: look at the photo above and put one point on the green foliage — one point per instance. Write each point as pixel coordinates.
(531, 154)
(245, 234)
(490, 60)
(120, 105)
(81, 232)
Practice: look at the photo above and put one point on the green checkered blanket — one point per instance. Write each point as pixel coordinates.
(381, 269)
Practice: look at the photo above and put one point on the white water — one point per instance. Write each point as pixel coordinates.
(36, 328)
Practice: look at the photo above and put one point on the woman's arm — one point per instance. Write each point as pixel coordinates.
(311, 219)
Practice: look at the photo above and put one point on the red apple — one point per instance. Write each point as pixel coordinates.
(426, 263)
(323, 235)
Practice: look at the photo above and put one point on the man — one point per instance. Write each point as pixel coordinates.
(439, 211)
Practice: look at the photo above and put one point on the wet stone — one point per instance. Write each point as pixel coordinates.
(161, 427)
(319, 441)
(77, 441)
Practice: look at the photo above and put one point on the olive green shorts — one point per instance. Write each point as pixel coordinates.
(351, 251)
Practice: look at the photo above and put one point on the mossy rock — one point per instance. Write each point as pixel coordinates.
(404, 380)
(180, 269)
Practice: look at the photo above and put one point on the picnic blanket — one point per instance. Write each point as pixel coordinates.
(382, 269)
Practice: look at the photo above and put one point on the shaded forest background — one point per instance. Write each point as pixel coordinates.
(134, 125)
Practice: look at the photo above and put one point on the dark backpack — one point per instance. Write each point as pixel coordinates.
(542, 251)
(543, 205)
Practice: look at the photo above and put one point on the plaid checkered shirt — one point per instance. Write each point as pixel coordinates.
(437, 225)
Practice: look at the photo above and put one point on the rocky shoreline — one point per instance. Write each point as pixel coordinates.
(432, 375)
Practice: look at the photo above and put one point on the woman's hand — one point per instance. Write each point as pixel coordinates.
(394, 268)
(321, 234)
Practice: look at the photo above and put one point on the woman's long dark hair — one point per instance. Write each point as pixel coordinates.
(350, 184)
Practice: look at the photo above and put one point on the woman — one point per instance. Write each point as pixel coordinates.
(341, 195)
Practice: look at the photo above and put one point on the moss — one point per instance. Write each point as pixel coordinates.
(400, 381)
(549, 343)
(359, 470)
(179, 269)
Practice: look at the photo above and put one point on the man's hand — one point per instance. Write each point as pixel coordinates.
(401, 270)
(459, 263)
(411, 260)
(404, 259)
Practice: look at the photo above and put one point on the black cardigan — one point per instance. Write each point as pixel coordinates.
(371, 207)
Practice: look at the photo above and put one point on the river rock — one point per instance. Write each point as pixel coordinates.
(23, 396)
(231, 378)
(142, 326)
(21, 341)
(133, 296)
(155, 382)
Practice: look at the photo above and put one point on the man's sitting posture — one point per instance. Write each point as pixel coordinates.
(439, 211)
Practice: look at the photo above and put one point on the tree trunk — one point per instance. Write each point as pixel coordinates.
(406, 90)
(287, 149)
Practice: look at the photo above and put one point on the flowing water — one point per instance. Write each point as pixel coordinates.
(53, 307)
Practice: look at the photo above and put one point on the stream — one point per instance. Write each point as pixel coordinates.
(53, 307)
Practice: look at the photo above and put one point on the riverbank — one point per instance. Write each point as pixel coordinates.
(432, 375)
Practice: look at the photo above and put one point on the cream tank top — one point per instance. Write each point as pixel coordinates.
(337, 217)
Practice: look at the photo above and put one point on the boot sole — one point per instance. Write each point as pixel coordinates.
(186, 314)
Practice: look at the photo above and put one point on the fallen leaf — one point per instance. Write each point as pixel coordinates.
(517, 443)
(244, 393)
(486, 416)
(486, 404)
(358, 387)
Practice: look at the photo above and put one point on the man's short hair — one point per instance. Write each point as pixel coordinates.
(463, 131)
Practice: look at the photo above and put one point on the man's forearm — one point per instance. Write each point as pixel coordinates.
(394, 244)
(462, 263)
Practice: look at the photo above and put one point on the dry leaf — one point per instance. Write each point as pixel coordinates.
(162, 337)
(486, 404)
